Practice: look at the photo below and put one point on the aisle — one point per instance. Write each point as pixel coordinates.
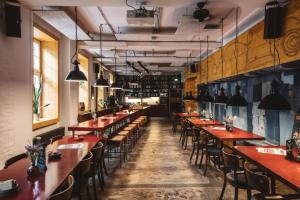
(159, 169)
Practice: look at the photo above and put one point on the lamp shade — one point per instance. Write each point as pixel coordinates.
(116, 86)
(221, 98)
(188, 97)
(101, 82)
(237, 99)
(206, 97)
(274, 101)
(76, 75)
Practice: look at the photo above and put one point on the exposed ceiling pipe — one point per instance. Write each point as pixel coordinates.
(107, 22)
(142, 66)
(155, 41)
(148, 57)
(131, 65)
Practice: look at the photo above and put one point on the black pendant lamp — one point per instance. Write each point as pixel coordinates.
(237, 99)
(201, 91)
(206, 97)
(222, 98)
(116, 85)
(126, 86)
(189, 95)
(101, 82)
(274, 101)
(76, 75)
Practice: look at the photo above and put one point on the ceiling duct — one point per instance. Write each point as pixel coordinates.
(141, 16)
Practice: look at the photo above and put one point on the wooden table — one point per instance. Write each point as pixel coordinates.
(230, 137)
(188, 114)
(102, 123)
(57, 171)
(204, 122)
(286, 171)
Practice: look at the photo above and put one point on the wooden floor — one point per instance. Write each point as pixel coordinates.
(159, 168)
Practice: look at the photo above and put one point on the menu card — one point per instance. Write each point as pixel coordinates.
(71, 146)
(275, 151)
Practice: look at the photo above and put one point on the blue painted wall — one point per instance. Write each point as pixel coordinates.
(276, 126)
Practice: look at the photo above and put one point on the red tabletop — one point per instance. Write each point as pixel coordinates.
(57, 171)
(101, 123)
(285, 170)
(204, 122)
(187, 114)
(235, 135)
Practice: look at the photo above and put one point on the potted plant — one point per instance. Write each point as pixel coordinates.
(37, 91)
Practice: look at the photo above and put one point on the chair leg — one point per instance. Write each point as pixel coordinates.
(206, 163)
(104, 167)
(194, 146)
(186, 141)
(236, 193)
(248, 194)
(94, 186)
(224, 187)
(201, 159)
(197, 154)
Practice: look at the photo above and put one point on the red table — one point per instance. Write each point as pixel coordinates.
(187, 114)
(204, 122)
(236, 135)
(102, 123)
(57, 171)
(285, 170)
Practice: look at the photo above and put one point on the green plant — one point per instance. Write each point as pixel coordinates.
(37, 90)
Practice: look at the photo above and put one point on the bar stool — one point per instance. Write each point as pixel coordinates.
(117, 141)
(135, 132)
(126, 141)
(131, 130)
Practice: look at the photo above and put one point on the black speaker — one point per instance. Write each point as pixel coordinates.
(12, 19)
(96, 68)
(274, 20)
(193, 68)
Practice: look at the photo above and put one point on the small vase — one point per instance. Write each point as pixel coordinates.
(33, 170)
(36, 117)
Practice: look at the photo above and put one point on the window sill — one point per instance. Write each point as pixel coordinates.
(44, 122)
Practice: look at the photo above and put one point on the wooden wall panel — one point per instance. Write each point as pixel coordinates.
(254, 52)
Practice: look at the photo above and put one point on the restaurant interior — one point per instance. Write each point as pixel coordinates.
(150, 99)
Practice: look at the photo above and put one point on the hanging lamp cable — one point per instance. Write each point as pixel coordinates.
(76, 37)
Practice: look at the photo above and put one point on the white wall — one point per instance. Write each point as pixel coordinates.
(16, 88)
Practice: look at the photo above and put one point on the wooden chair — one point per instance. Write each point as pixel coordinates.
(83, 175)
(187, 132)
(14, 159)
(234, 174)
(66, 194)
(257, 180)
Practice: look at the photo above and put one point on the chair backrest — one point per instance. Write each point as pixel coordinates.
(256, 180)
(85, 165)
(97, 153)
(231, 161)
(66, 194)
(14, 159)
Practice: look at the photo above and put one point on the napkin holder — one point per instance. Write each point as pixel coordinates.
(8, 188)
(289, 149)
(229, 126)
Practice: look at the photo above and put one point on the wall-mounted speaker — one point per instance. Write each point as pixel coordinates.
(96, 68)
(274, 20)
(12, 19)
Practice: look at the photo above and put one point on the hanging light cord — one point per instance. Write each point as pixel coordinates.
(207, 59)
(100, 29)
(76, 41)
(236, 41)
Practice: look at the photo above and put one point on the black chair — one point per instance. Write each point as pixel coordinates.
(82, 175)
(175, 122)
(257, 180)
(212, 149)
(234, 174)
(186, 132)
(66, 193)
(14, 159)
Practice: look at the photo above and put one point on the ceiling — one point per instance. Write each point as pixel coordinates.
(161, 46)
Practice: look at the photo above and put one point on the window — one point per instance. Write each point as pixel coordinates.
(45, 79)
(84, 86)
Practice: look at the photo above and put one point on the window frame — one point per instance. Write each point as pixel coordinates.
(47, 122)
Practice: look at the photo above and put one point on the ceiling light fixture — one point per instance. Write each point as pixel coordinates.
(189, 95)
(274, 101)
(76, 75)
(237, 99)
(101, 82)
(222, 98)
(126, 86)
(206, 97)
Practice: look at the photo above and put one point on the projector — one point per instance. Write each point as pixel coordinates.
(140, 17)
